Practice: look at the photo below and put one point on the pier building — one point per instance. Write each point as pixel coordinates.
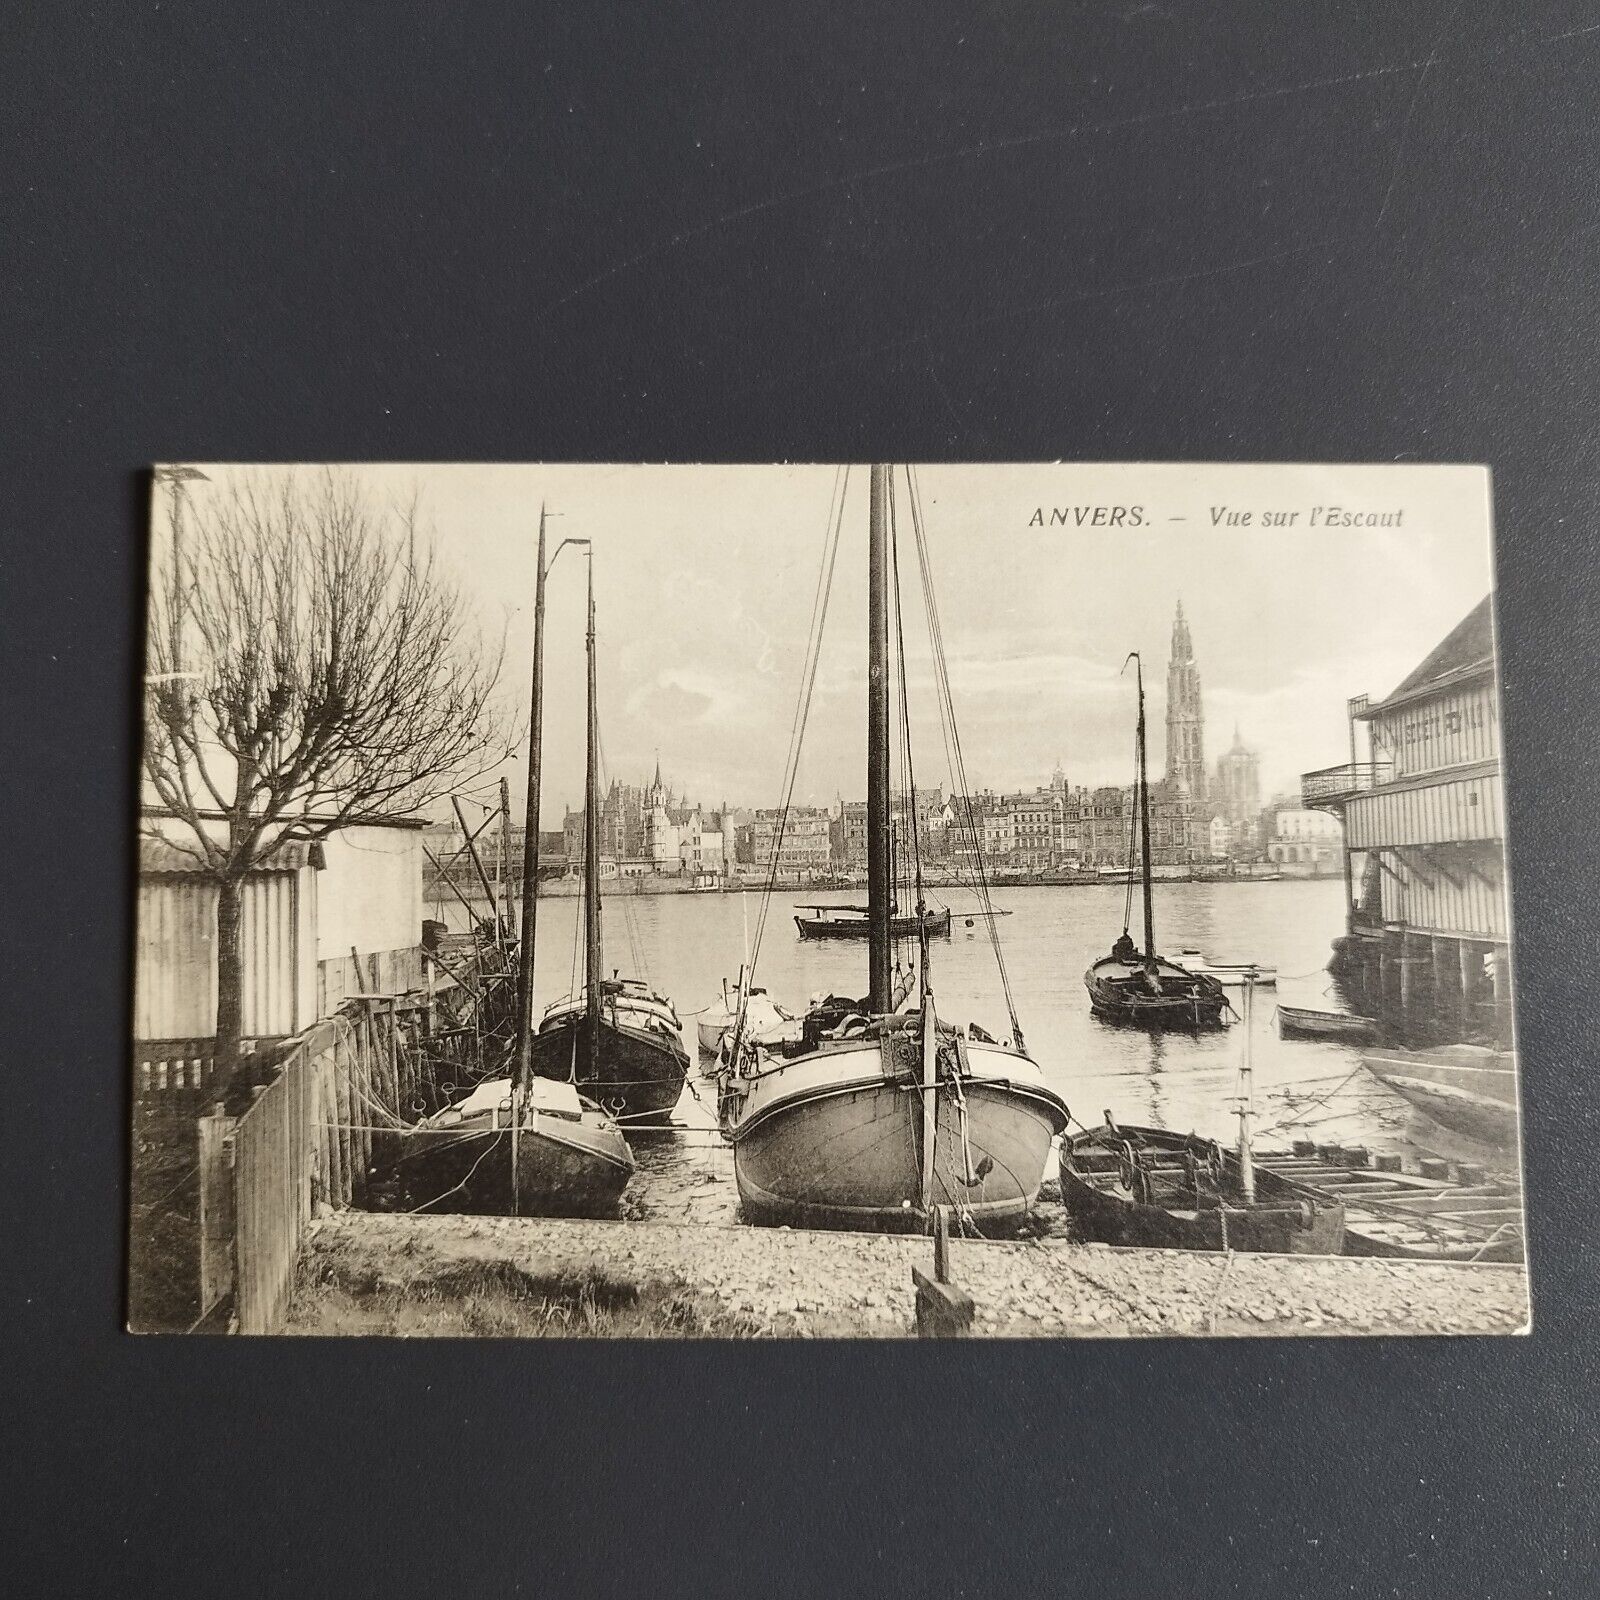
(1426, 945)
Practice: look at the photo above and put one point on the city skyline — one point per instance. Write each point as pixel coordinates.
(705, 578)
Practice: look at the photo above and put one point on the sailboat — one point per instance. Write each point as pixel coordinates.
(618, 1039)
(516, 1143)
(1158, 1189)
(864, 1116)
(855, 922)
(1138, 987)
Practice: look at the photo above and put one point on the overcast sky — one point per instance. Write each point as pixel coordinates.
(705, 576)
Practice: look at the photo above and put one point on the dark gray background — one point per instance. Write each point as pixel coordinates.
(1235, 231)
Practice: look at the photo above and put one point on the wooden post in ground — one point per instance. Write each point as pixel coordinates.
(943, 1311)
(216, 1209)
(1464, 1009)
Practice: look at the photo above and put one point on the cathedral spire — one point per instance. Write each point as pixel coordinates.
(1186, 755)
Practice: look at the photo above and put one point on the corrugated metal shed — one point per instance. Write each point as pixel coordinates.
(175, 976)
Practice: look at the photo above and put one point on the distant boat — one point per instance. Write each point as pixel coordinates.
(854, 922)
(874, 1118)
(1137, 987)
(1299, 1022)
(1461, 1086)
(618, 1039)
(1176, 1191)
(1230, 974)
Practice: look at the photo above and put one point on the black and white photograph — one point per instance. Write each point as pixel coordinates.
(823, 901)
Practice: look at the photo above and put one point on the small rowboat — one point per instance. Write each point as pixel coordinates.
(1176, 1191)
(1300, 1022)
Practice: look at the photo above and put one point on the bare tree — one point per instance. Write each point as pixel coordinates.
(310, 668)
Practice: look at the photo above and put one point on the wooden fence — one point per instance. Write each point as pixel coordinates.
(305, 1144)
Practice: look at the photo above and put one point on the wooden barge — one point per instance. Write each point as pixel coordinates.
(1433, 1215)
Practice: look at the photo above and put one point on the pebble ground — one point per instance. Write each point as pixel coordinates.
(810, 1284)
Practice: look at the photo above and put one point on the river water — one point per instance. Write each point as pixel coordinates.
(687, 944)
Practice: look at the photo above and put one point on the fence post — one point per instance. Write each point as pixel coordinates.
(217, 1216)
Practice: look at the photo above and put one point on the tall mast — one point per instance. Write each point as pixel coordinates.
(530, 832)
(880, 888)
(591, 855)
(504, 911)
(1144, 825)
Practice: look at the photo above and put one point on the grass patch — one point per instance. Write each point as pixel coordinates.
(498, 1300)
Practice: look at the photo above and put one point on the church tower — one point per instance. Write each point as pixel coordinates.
(1186, 727)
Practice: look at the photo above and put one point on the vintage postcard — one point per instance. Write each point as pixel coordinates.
(834, 900)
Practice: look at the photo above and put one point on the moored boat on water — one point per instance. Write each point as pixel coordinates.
(872, 1117)
(1230, 974)
(1139, 988)
(641, 1063)
(1300, 1022)
(854, 922)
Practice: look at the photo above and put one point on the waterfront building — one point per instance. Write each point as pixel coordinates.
(806, 848)
(1033, 820)
(1305, 843)
(1186, 722)
(1105, 828)
(999, 838)
(1426, 944)
(850, 825)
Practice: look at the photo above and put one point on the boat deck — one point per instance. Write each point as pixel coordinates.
(1403, 1214)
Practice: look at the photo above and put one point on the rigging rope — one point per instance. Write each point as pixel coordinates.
(797, 727)
(908, 808)
(952, 735)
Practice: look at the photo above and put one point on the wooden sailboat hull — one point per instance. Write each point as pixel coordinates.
(1286, 1219)
(842, 1147)
(937, 924)
(1469, 1090)
(641, 1071)
(563, 1168)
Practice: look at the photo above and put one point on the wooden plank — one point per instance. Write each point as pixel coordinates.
(216, 1210)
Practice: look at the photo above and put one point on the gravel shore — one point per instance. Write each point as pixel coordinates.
(803, 1284)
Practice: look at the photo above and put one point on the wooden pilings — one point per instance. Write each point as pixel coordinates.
(1428, 988)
